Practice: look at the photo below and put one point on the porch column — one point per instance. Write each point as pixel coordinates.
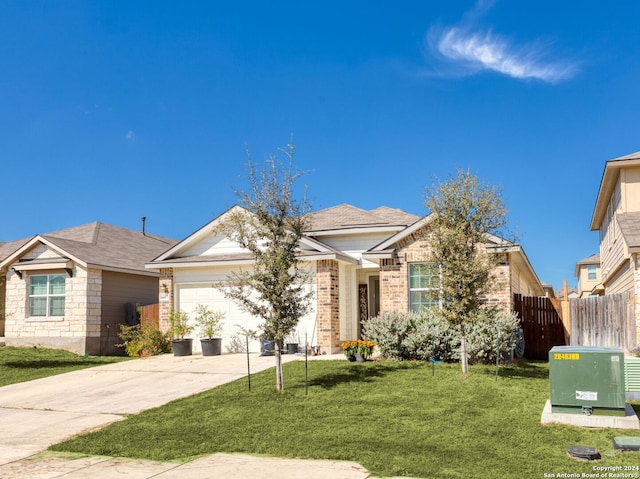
(328, 299)
(165, 296)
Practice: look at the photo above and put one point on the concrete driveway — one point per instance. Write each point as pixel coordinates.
(36, 414)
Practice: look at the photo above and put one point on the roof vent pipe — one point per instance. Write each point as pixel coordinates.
(144, 219)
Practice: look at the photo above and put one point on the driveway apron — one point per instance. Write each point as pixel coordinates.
(36, 414)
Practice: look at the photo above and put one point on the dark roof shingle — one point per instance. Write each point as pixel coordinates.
(104, 245)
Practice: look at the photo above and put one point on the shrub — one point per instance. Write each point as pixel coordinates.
(427, 335)
(389, 331)
(143, 340)
(433, 337)
(490, 332)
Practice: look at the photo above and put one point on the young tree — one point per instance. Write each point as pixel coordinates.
(465, 211)
(270, 228)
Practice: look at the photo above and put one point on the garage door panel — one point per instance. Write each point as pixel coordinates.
(189, 296)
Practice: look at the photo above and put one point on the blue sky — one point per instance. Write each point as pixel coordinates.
(113, 110)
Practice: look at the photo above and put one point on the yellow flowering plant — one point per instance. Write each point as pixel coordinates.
(358, 346)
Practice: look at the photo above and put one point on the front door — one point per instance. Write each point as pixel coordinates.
(369, 299)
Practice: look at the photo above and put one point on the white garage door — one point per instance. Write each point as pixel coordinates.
(189, 296)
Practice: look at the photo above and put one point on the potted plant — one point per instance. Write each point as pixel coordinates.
(364, 349)
(179, 327)
(358, 349)
(349, 349)
(209, 324)
(292, 343)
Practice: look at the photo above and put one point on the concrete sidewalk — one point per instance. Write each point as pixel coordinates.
(36, 414)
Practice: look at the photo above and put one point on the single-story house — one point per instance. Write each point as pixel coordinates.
(71, 289)
(362, 263)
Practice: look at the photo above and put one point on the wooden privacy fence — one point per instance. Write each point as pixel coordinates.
(604, 321)
(541, 321)
(150, 315)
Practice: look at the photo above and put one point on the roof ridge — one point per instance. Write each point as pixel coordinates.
(96, 232)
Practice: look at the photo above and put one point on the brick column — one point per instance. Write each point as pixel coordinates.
(328, 299)
(165, 295)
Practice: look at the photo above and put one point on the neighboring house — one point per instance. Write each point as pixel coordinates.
(589, 277)
(548, 290)
(361, 262)
(572, 293)
(617, 217)
(72, 289)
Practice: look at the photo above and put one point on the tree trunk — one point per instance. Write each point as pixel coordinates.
(464, 360)
(279, 379)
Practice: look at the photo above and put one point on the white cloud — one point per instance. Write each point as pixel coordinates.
(130, 136)
(471, 50)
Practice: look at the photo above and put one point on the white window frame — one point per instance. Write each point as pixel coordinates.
(48, 296)
(592, 270)
(422, 289)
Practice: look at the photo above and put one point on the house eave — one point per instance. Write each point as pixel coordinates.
(197, 264)
(113, 269)
(607, 185)
(355, 230)
(35, 265)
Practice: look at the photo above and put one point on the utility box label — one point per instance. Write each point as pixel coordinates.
(587, 395)
(566, 356)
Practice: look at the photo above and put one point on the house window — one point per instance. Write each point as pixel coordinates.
(424, 279)
(47, 295)
(592, 273)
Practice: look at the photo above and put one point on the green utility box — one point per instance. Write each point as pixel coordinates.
(587, 380)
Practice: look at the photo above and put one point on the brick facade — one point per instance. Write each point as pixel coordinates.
(166, 297)
(394, 277)
(328, 306)
(394, 274)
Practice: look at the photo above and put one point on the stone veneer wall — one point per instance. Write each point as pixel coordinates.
(78, 330)
(166, 297)
(328, 304)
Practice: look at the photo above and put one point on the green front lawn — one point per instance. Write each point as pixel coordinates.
(25, 364)
(393, 418)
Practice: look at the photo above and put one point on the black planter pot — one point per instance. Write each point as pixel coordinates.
(211, 347)
(182, 347)
(292, 348)
(267, 347)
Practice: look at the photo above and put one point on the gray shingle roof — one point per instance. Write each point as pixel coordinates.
(630, 228)
(10, 247)
(108, 246)
(593, 259)
(348, 216)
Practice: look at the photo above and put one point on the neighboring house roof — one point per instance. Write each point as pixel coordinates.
(11, 246)
(608, 183)
(548, 289)
(571, 293)
(97, 245)
(629, 224)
